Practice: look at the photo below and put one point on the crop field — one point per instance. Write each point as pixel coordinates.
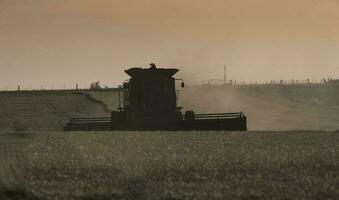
(170, 165)
(39, 161)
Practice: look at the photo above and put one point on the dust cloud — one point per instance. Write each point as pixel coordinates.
(269, 108)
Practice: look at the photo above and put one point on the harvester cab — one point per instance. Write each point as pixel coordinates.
(148, 101)
(149, 96)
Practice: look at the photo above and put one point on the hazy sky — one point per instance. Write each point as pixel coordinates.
(50, 43)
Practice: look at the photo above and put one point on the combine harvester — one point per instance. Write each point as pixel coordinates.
(148, 101)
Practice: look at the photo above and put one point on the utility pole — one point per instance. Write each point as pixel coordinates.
(225, 69)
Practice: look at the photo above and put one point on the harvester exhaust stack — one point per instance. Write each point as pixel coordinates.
(149, 102)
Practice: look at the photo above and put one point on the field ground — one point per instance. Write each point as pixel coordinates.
(38, 161)
(170, 165)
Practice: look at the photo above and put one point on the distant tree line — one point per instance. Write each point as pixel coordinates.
(96, 86)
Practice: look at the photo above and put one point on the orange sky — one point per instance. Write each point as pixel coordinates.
(62, 42)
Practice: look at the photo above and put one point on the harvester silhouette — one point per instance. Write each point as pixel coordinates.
(148, 101)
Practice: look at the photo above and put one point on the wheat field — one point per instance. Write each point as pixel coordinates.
(38, 161)
(170, 165)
